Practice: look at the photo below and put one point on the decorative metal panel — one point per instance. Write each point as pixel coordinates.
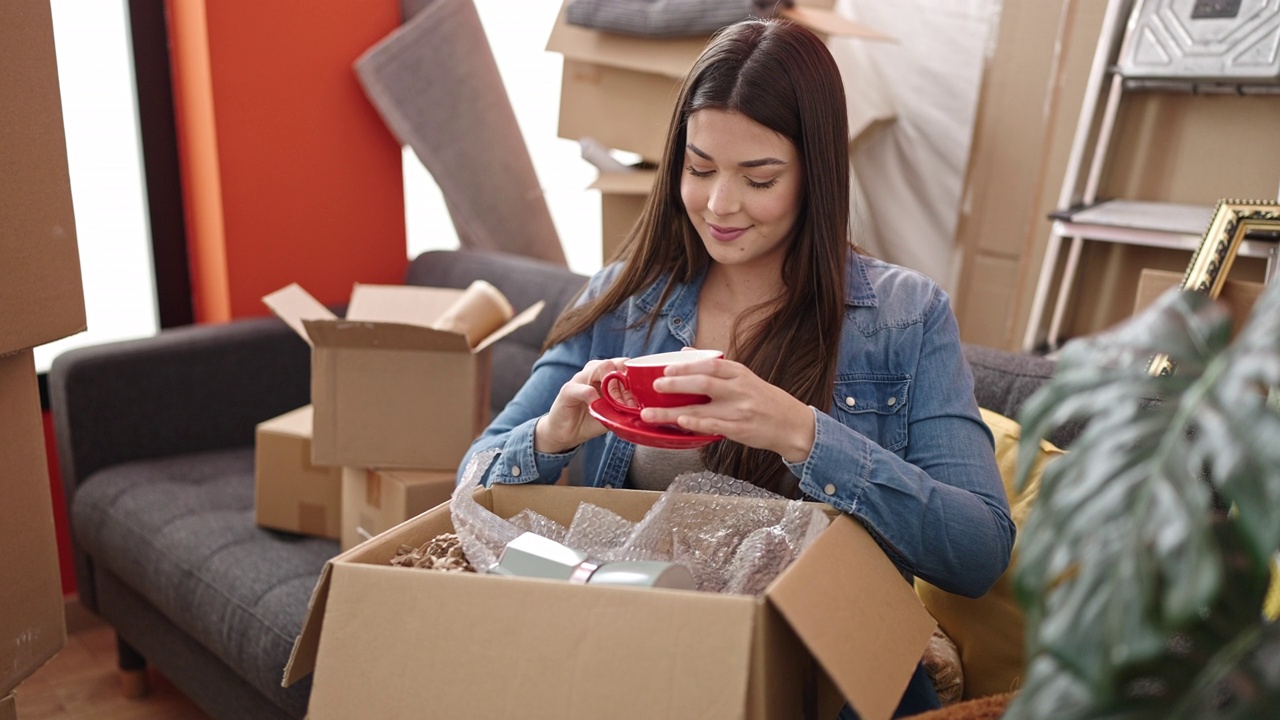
(1234, 41)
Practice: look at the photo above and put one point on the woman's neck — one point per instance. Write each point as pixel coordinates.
(740, 287)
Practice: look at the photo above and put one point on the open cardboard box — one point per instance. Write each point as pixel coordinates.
(621, 89)
(461, 645)
(403, 380)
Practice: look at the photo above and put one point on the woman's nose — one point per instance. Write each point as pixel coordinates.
(723, 201)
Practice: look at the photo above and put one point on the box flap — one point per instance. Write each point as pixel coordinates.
(515, 323)
(385, 335)
(405, 304)
(828, 587)
(302, 660)
(294, 305)
(638, 182)
(295, 422)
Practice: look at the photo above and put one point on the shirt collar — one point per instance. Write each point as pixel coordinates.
(857, 283)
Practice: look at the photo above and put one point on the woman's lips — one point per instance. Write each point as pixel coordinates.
(725, 234)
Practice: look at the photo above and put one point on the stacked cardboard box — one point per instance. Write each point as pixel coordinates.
(621, 91)
(41, 300)
(399, 389)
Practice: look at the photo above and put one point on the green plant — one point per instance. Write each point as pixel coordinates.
(1143, 591)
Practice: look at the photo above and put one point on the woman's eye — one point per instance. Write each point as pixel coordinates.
(762, 185)
(696, 172)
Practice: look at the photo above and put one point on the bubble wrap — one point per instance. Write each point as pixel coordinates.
(715, 525)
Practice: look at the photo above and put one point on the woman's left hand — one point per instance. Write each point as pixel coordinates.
(743, 408)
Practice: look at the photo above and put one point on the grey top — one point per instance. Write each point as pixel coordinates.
(655, 468)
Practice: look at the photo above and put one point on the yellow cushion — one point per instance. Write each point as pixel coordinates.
(1272, 605)
(989, 630)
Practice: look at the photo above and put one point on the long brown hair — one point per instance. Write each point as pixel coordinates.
(781, 76)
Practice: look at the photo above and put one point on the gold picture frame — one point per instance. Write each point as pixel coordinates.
(1232, 222)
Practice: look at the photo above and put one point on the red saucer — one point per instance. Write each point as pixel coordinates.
(632, 429)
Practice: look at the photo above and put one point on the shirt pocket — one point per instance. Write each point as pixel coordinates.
(875, 406)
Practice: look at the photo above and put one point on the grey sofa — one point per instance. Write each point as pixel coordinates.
(155, 443)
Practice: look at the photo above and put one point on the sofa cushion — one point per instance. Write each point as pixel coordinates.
(180, 531)
(989, 630)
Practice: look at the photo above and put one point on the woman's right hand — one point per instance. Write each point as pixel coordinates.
(568, 424)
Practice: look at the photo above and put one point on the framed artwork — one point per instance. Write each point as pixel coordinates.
(1233, 221)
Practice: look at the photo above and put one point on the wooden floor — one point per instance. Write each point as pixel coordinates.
(82, 682)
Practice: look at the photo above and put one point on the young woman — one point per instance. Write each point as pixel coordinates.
(843, 378)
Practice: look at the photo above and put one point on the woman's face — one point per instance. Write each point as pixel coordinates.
(741, 186)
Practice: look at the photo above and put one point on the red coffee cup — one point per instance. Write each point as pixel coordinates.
(638, 374)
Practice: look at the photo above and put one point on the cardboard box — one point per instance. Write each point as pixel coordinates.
(621, 90)
(40, 288)
(374, 501)
(622, 198)
(1237, 295)
(403, 381)
(290, 492)
(32, 619)
(8, 708)
(453, 645)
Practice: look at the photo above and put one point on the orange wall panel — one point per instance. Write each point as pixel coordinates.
(289, 174)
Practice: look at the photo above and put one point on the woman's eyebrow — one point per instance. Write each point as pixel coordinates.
(761, 162)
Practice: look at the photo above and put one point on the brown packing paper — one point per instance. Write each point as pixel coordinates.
(436, 85)
(480, 311)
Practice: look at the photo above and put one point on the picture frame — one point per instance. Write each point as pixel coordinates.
(1232, 223)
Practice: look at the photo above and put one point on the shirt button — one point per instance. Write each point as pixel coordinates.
(676, 321)
(850, 401)
(608, 486)
(515, 471)
(893, 401)
(830, 489)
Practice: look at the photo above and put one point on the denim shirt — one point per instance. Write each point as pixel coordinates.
(902, 450)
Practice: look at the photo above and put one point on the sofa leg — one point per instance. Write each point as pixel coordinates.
(133, 670)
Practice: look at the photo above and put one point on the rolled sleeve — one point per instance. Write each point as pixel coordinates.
(520, 463)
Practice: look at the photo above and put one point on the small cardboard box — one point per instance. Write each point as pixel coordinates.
(462, 645)
(290, 493)
(32, 618)
(40, 288)
(621, 89)
(1237, 295)
(8, 708)
(403, 380)
(374, 501)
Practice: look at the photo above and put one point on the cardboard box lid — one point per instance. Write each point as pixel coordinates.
(825, 588)
(674, 56)
(296, 423)
(393, 316)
